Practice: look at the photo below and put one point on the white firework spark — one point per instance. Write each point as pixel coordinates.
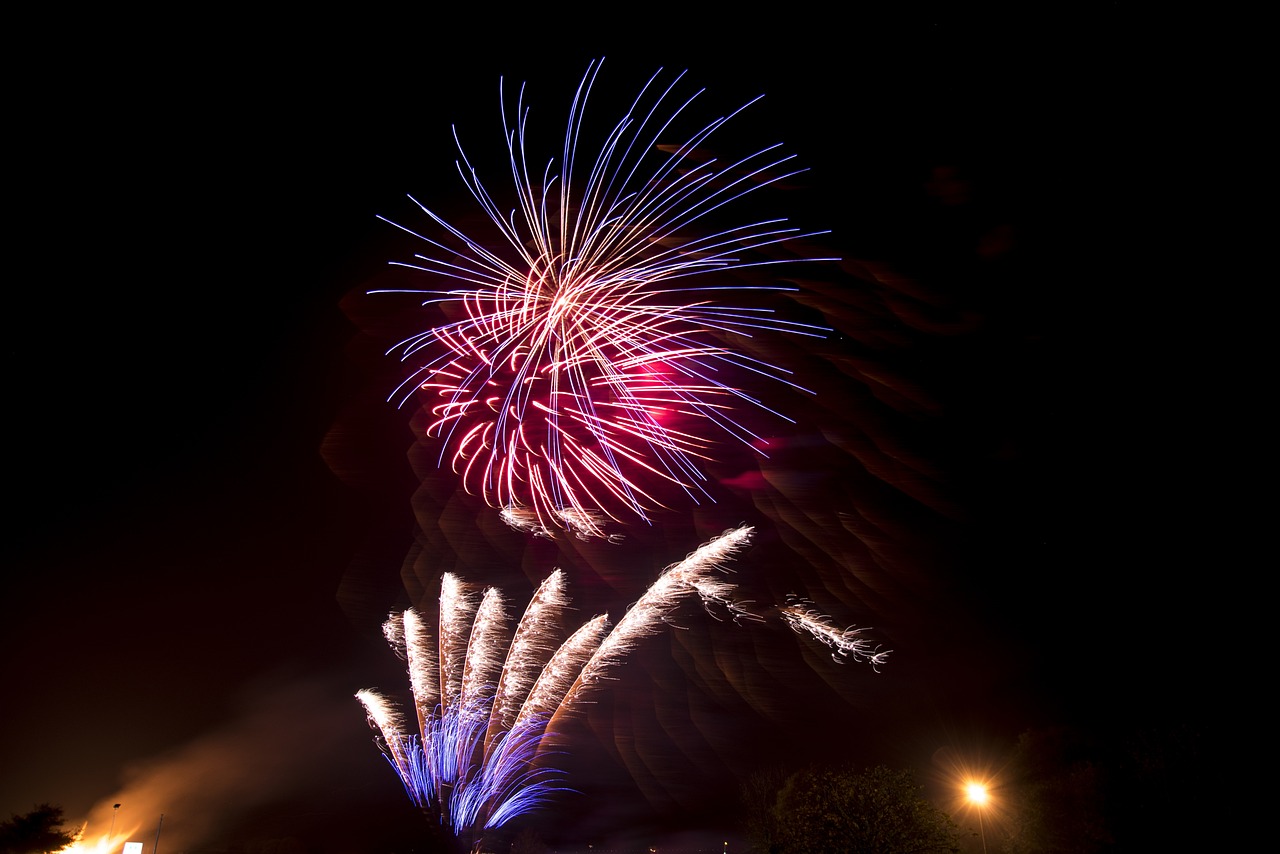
(561, 672)
(389, 723)
(475, 760)
(487, 706)
(424, 669)
(694, 574)
(457, 608)
(530, 646)
(845, 643)
(484, 652)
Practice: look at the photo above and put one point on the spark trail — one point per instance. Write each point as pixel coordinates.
(486, 703)
(844, 643)
(587, 359)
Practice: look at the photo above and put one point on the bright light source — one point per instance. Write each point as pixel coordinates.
(976, 793)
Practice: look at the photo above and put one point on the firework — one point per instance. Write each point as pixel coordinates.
(845, 643)
(695, 574)
(587, 354)
(487, 702)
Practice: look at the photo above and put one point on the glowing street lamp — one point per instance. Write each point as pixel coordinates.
(978, 796)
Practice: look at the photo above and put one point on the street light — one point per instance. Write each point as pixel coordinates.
(978, 796)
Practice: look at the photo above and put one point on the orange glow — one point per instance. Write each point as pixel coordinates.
(976, 793)
(971, 785)
(104, 843)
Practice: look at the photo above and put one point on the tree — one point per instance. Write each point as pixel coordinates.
(760, 793)
(38, 832)
(1054, 796)
(843, 811)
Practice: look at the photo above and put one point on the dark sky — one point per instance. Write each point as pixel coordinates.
(211, 508)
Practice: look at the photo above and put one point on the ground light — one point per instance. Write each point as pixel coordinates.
(976, 793)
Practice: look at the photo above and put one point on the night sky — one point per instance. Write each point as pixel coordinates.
(211, 507)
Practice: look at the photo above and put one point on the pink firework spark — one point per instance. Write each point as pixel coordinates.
(588, 363)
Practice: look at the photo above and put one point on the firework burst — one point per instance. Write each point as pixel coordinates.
(486, 698)
(588, 360)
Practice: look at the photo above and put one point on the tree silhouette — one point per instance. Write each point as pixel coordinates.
(37, 832)
(843, 811)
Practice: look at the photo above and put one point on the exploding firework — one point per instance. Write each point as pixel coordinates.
(586, 360)
(486, 698)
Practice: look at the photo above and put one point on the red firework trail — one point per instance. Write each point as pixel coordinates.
(587, 362)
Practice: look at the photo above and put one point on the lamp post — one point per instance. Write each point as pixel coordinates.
(977, 795)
